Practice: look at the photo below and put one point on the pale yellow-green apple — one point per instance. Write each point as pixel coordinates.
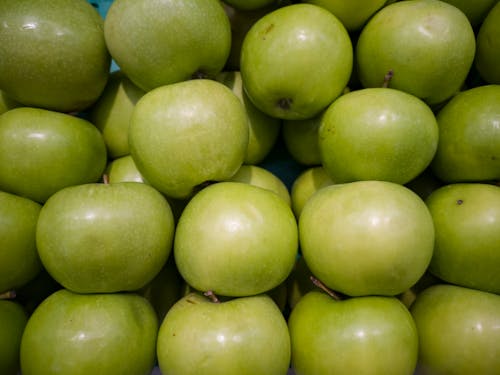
(353, 14)
(377, 134)
(53, 54)
(301, 140)
(476, 11)
(264, 129)
(458, 330)
(295, 61)
(360, 335)
(81, 334)
(241, 336)
(466, 218)
(101, 238)
(19, 261)
(42, 151)
(235, 239)
(469, 136)
(306, 184)
(156, 43)
(123, 169)
(7, 103)
(112, 111)
(487, 60)
(429, 46)
(250, 4)
(366, 237)
(186, 134)
(13, 319)
(258, 176)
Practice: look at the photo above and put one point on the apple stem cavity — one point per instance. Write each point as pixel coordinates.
(10, 294)
(387, 78)
(285, 103)
(199, 75)
(210, 294)
(105, 179)
(323, 287)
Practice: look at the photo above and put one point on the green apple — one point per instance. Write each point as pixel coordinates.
(242, 336)
(428, 45)
(53, 53)
(185, 134)
(19, 261)
(112, 111)
(301, 140)
(123, 169)
(476, 11)
(299, 282)
(42, 151)
(7, 103)
(250, 4)
(258, 176)
(13, 320)
(100, 238)
(487, 60)
(469, 136)
(366, 237)
(83, 334)
(235, 239)
(377, 134)
(467, 224)
(361, 335)
(352, 14)
(264, 129)
(283, 61)
(458, 330)
(156, 43)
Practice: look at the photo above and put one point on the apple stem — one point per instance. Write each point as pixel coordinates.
(105, 179)
(387, 78)
(10, 294)
(210, 294)
(323, 287)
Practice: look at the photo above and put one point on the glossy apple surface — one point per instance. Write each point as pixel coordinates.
(43, 151)
(235, 239)
(246, 335)
(458, 330)
(83, 334)
(466, 218)
(361, 335)
(101, 238)
(488, 47)
(53, 53)
(13, 319)
(366, 237)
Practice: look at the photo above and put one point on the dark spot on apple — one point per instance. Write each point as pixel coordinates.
(199, 75)
(173, 334)
(459, 201)
(267, 30)
(285, 103)
(191, 301)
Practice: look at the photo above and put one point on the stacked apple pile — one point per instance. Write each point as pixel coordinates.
(260, 187)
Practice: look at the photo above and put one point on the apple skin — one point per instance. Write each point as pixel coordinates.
(185, 134)
(19, 261)
(235, 239)
(469, 137)
(123, 169)
(466, 218)
(157, 43)
(13, 319)
(246, 335)
(366, 237)
(250, 5)
(487, 59)
(476, 11)
(53, 53)
(283, 61)
(102, 238)
(395, 38)
(301, 140)
(458, 330)
(361, 335)
(377, 134)
(43, 151)
(79, 334)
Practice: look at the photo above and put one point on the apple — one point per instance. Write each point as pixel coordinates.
(469, 137)
(250, 5)
(42, 151)
(112, 111)
(487, 54)
(466, 218)
(366, 237)
(264, 129)
(360, 335)
(458, 330)
(377, 134)
(185, 134)
(409, 296)
(123, 169)
(299, 282)
(476, 11)
(245, 335)
(71, 333)
(156, 43)
(429, 45)
(283, 61)
(235, 239)
(13, 320)
(53, 53)
(101, 238)
(19, 261)
(301, 140)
